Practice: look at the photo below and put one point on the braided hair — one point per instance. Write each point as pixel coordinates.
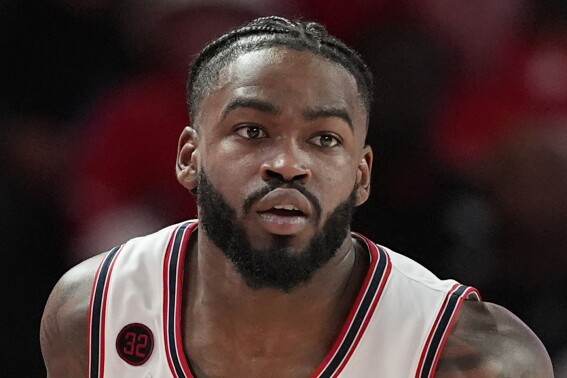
(266, 32)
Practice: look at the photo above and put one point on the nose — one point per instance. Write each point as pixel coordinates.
(286, 165)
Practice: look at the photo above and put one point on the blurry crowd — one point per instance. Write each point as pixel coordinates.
(469, 130)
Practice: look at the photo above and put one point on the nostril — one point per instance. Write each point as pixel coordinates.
(283, 172)
(273, 175)
(269, 174)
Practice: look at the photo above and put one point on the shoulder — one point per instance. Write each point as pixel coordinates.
(64, 325)
(490, 341)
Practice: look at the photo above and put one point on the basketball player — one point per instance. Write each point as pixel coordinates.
(270, 282)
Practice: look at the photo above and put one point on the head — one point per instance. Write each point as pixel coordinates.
(266, 32)
(276, 151)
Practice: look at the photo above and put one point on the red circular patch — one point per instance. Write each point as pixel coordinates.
(135, 343)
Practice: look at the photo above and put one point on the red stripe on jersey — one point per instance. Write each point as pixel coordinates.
(179, 297)
(368, 315)
(470, 291)
(355, 310)
(102, 320)
(166, 262)
(433, 329)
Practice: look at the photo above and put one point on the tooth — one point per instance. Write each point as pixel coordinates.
(285, 207)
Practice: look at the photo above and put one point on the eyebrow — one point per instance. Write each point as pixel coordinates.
(316, 113)
(270, 108)
(243, 102)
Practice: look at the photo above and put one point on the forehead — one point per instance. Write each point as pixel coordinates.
(289, 78)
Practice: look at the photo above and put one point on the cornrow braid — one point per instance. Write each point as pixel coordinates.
(266, 32)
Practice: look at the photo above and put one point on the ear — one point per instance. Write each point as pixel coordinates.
(363, 176)
(188, 159)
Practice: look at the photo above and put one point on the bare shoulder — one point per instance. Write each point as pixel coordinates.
(489, 341)
(64, 325)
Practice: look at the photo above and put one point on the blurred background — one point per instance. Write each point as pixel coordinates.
(469, 130)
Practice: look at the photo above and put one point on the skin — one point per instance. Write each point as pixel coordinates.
(281, 132)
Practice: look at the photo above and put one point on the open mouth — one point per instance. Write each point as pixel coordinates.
(283, 219)
(286, 211)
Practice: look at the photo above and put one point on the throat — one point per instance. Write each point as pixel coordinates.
(276, 351)
(242, 332)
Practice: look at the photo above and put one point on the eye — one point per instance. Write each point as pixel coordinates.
(251, 132)
(326, 140)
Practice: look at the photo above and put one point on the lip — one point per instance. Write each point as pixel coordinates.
(278, 224)
(284, 196)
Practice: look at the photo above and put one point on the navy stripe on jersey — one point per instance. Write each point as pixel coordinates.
(97, 314)
(364, 311)
(447, 315)
(173, 273)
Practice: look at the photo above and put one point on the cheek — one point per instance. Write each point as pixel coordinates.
(340, 168)
(231, 172)
(337, 181)
(233, 162)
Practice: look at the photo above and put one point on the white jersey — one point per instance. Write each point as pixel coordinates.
(396, 328)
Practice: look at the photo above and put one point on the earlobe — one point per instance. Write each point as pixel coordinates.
(188, 158)
(363, 176)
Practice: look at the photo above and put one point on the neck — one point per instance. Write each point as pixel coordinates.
(269, 321)
(216, 285)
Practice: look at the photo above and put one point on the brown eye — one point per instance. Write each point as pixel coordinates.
(325, 140)
(251, 132)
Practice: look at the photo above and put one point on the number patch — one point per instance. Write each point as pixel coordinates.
(135, 343)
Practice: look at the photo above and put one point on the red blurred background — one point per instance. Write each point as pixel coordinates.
(469, 129)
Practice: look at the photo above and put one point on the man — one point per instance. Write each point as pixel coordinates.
(270, 282)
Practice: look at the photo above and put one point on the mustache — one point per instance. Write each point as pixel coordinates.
(275, 183)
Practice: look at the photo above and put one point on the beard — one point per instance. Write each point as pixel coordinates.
(278, 266)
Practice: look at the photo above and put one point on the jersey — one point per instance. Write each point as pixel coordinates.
(397, 326)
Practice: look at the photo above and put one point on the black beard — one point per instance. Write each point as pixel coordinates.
(278, 266)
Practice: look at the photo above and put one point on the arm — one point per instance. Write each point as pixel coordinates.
(64, 325)
(488, 341)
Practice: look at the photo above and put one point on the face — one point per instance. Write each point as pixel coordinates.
(280, 145)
